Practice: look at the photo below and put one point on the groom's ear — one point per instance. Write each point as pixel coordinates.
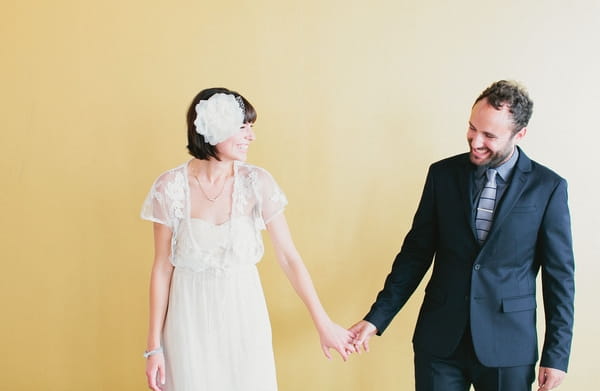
(520, 134)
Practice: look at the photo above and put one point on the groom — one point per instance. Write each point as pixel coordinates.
(493, 219)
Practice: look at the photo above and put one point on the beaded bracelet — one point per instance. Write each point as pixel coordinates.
(152, 352)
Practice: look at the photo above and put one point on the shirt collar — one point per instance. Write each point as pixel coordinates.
(504, 170)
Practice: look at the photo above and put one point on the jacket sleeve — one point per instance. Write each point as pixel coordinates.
(555, 256)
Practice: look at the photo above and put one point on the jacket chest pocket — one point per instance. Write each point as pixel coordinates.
(524, 209)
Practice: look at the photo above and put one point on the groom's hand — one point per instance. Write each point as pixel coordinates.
(364, 331)
(550, 378)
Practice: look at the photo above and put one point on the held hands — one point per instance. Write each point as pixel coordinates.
(345, 341)
(334, 336)
(155, 371)
(363, 332)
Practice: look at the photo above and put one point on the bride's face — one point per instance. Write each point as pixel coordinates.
(236, 146)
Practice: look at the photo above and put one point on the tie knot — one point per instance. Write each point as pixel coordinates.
(491, 175)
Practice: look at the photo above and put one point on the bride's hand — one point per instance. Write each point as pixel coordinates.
(155, 371)
(334, 336)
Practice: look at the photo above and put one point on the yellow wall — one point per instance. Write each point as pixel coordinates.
(355, 99)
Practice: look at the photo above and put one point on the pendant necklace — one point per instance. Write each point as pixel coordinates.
(211, 199)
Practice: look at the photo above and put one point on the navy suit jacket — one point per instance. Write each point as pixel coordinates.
(491, 288)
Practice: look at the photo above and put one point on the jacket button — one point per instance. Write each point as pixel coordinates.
(476, 267)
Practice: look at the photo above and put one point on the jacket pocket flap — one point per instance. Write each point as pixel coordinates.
(522, 303)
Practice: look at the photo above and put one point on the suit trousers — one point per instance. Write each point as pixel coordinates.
(462, 369)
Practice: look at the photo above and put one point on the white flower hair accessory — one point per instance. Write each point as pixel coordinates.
(219, 117)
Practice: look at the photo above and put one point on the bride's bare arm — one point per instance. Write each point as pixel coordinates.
(331, 334)
(160, 283)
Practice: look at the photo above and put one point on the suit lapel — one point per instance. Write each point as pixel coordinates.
(513, 192)
(465, 183)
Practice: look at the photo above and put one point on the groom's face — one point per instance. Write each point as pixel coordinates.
(490, 135)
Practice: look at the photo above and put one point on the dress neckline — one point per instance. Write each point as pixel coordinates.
(204, 221)
(189, 198)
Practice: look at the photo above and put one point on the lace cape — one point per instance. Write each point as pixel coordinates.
(256, 200)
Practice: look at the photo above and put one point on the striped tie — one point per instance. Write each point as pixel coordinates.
(485, 208)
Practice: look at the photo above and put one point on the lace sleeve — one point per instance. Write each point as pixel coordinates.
(272, 199)
(164, 202)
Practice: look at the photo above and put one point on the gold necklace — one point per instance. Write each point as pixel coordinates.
(211, 199)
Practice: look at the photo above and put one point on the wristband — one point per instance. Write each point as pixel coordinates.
(153, 352)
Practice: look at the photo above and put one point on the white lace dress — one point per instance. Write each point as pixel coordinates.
(217, 335)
